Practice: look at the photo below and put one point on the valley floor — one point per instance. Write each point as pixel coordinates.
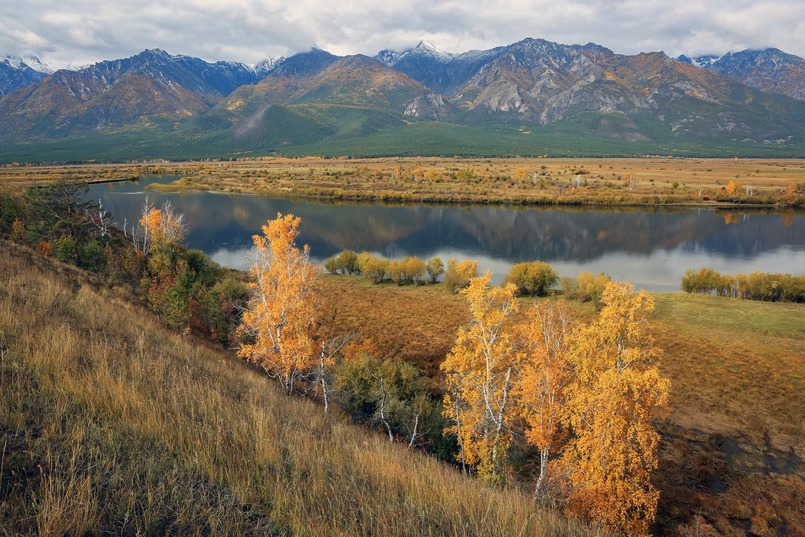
(721, 183)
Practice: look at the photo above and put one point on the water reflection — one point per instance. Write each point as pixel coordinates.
(650, 248)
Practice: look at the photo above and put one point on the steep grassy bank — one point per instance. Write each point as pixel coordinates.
(111, 424)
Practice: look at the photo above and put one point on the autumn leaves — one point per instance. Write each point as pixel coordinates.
(279, 322)
(583, 395)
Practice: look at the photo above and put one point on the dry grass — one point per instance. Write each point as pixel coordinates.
(415, 324)
(111, 424)
(516, 180)
(738, 366)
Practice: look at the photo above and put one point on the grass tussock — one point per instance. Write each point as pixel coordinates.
(111, 424)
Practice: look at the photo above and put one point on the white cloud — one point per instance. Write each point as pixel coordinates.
(82, 31)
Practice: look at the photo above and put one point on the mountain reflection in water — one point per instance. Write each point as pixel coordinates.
(652, 249)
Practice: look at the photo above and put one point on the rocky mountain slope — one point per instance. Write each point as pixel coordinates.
(578, 90)
(770, 70)
(120, 93)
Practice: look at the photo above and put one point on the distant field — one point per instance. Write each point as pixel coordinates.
(645, 181)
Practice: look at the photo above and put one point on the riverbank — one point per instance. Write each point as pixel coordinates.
(720, 183)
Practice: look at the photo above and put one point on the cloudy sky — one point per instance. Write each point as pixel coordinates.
(79, 32)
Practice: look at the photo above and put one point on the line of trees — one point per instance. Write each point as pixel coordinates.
(408, 270)
(531, 278)
(755, 286)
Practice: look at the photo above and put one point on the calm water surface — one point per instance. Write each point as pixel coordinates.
(652, 249)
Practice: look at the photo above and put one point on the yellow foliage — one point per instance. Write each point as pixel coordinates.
(283, 311)
(731, 188)
(164, 227)
(545, 372)
(617, 392)
(479, 372)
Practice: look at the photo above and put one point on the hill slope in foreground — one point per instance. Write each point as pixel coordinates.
(112, 424)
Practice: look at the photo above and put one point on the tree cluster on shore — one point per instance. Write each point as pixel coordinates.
(755, 286)
(184, 286)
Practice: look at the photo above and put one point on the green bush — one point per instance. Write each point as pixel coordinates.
(91, 256)
(65, 249)
(435, 268)
(389, 393)
(532, 279)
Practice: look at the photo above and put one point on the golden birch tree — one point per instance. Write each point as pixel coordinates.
(480, 372)
(281, 317)
(616, 394)
(544, 338)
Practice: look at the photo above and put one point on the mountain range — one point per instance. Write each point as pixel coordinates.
(531, 97)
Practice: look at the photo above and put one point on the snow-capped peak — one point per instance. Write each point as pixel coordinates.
(388, 56)
(426, 48)
(32, 62)
(264, 67)
(701, 61)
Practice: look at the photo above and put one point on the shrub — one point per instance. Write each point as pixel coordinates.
(91, 256)
(391, 394)
(569, 286)
(65, 249)
(18, 232)
(363, 258)
(376, 269)
(394, 271)
(435, 269)
(591, 286)
(532, 279)
(414, 270)
(8, 215)
(331, 265)
(348, 262)
(458, 274)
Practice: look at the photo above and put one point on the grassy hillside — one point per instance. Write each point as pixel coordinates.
(111, 424)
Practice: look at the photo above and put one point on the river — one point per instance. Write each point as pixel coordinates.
(650, 248)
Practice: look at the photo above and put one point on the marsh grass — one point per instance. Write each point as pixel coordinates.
(110, 424)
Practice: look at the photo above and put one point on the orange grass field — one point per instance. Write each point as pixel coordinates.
(516, 180)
